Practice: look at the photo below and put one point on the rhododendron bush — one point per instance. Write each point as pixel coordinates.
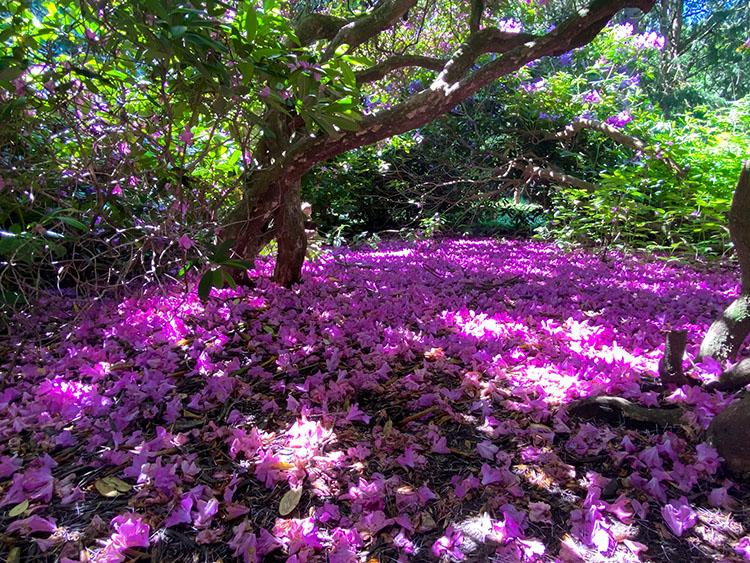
(410, 402)
(142, 134)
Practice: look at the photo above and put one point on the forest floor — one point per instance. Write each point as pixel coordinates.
(404, 403)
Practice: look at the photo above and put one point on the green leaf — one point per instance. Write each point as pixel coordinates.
(205, 284)
(221, 252)
(177, 31)
(250, 23)
(73, 223)
(111, 486)
(19, 509)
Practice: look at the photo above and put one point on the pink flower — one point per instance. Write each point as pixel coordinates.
(205, 512)
(540, 512)
(708, 458)
(487, 449)
(679, 516)
(186, 243)
(117, 190)
(507, 530)
(449, 544)
(181, 513)
(130, 531)
(410, 458)
(356, 414)
(186, 136)
(510, 25)
(245, 543)
(31, 525)
(490, 475)
(720, 497)
(743, 546)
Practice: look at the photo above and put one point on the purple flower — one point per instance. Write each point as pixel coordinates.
(743, 546)
(31, 525)
(540, 512)
(679, 516)
(487, 449)
(650, 40)
(566, 59)
(186, 136)
(130, 531)
(449, 544)
(181, 513)
(356, 414)
(490, 475)
(621, 119)
(535, 86)
(510, 25)
(592, 97)
(186, 243)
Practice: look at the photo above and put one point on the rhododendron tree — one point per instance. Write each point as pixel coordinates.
(246, 100)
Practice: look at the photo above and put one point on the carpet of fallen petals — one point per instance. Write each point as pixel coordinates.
(406, 403)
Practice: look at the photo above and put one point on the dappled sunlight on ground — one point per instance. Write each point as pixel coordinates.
(404, 403)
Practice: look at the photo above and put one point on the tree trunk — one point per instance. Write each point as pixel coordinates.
(729, 431)
(726, 334)
(289, 226)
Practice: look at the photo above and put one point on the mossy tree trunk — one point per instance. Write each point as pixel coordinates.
(729, 431)
(726, 335)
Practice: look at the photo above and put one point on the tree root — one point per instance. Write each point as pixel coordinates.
(617, 410)
(733, 379)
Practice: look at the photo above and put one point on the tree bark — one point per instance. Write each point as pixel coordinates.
(726, 334)
(670, 366)
(289, 224)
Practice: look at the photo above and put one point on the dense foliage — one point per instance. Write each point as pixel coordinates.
(473, 168)
(130, 130)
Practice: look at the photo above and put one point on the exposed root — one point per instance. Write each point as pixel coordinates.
(617, 410)
(733, 379)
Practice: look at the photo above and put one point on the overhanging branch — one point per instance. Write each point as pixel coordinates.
(448, 90)
(475, 19)
(378, 71)
(314, 27)
(360, 30)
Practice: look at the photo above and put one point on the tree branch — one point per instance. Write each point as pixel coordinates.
(313, 27)
(557, 177)
(444, 93)
(739, 224)
(360, 30)
(475, 20)
(378, 71)
(619, 137)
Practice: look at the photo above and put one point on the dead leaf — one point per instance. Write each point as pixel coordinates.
(111, 486)
(290, 501)
(387, 427)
